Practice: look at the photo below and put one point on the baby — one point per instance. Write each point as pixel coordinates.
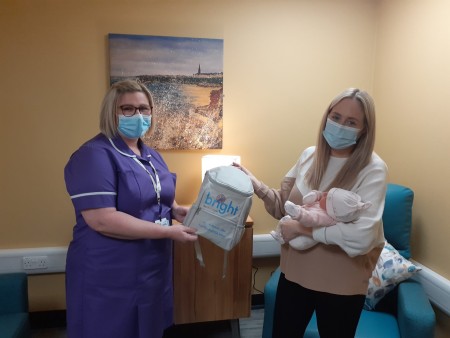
(321, 209)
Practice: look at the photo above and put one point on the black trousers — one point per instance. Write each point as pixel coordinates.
(337, 315)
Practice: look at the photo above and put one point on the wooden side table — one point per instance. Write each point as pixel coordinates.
(201, 294)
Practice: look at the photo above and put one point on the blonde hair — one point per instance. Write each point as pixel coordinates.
(362, 153)
(108, 117)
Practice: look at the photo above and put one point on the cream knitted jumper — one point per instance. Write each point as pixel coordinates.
(343, 260)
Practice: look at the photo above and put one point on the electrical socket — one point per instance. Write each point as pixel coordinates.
(35, 262)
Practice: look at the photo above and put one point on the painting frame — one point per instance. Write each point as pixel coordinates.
(185, 77)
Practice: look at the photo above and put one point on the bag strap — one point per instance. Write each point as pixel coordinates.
(199, 255)
(225, 264)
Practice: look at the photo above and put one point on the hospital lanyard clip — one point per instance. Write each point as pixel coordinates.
(156, 184)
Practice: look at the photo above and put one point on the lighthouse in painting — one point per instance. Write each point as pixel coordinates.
(207, 75)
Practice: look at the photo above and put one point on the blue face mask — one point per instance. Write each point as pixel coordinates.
(134, 126)
(339, 136)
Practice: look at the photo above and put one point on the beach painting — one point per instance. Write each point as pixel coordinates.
(185, 77)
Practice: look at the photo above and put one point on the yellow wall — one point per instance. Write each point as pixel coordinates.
(283, 62)
(412, 86)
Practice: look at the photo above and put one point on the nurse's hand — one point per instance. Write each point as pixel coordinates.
(291, 229)
(179, 212)
(182, 233)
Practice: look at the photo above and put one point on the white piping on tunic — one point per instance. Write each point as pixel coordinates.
(121, 152)
(93, 194)
(103, 192)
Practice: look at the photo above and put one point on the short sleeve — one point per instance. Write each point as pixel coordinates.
(91, 179)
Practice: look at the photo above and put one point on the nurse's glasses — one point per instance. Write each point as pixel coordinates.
(129, 110)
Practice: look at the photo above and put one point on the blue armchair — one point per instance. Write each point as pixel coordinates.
(406, 311)
(14, 322)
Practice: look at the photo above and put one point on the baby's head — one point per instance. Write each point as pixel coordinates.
(344, 206)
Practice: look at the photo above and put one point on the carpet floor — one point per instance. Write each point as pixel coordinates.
(250, 327)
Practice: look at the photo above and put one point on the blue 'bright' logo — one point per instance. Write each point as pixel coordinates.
(220, 205)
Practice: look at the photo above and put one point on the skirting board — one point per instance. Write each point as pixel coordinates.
(436, 287)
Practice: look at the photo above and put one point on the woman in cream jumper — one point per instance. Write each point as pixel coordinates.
(331, 277)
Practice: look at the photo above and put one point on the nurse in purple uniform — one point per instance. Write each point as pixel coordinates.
(119, 263)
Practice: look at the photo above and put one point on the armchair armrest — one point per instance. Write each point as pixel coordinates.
(270, 293)
(13, 293)
(416, 318)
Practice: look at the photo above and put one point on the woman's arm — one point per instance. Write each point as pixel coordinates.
(291, 228)
(117, 224)
(273, 198)
(366, 233)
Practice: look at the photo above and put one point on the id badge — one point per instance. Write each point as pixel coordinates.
(164, 222)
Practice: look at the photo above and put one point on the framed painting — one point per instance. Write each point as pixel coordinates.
(185, 77)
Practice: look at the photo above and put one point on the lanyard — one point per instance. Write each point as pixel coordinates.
(156, 184)
(155, 181)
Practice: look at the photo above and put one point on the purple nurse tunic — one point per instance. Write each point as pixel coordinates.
(118, 288)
